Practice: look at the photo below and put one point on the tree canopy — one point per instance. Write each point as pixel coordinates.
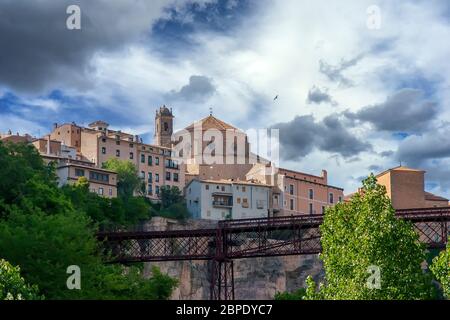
(44, 229)
(370, 254)
(441, 270)
(13, 286)
(128, 181)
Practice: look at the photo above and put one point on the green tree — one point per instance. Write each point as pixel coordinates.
(82, 183)
(108, 213)
(441, 270)
(13, 286)
(170, 195)
(128, 181)
(364, 236)
(45, 229)
(176, 211)
(296, 295)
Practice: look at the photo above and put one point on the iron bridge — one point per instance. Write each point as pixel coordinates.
(250, 238)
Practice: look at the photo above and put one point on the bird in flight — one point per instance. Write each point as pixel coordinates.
(276, 98)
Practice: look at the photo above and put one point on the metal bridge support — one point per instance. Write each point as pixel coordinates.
(222, 280)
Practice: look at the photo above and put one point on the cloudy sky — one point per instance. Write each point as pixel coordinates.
(360, 88)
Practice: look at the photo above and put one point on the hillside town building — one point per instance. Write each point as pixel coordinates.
(209, 152)
(406, 189)
(224, 199)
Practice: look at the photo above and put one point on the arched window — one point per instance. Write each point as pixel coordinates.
(166, 126)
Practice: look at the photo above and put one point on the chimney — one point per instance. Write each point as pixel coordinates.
(325, 176)
(55, 125)
(136, 138)
(48, 145)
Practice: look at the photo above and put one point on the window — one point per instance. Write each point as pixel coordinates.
(323, 209)
(291, 204)
(340, 198)
(260, 204)
(131, 155)
(142, 158)
(79, 173)
(166, 126)
(157, 190)
(110, 192)
(150, 177)
(207, 187)
(118, 142)
(311, 208)
(291, 189)
(244, 202)
(150, 189)
(175, 177)
(103, 140)
(156, 177)
(223, 188)
(311, 194)
(150, 160)
(103, 150)
(331, 198)
(100, 191)
(238, 200)
(117, 153)
(142, 174)
(168, 176)
(131, 145)
(157, 161)
(244, 189)
(98, 176)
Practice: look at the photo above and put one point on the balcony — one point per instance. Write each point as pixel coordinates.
(170, 164)
(222, 201)
(222, 204)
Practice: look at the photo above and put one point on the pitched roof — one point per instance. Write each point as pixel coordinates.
(211, 122)
(432, 197)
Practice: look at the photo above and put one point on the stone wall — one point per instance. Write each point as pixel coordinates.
(254, 279)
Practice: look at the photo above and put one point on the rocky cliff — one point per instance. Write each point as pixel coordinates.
(256, 278)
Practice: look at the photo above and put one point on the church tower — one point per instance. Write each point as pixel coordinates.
(163, 127)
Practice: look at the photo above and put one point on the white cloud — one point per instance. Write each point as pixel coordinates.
(276, 51)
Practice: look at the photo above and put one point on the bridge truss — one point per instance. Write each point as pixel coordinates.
(250, 238)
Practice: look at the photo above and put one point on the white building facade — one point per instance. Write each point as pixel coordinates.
(221, 200)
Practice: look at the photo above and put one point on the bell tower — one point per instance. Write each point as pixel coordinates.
(163, 127)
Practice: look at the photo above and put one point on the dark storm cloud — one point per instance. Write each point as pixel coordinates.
(318, 96)
(417, 149)
(335, 73)
(375, 168)
(405, 111)
(198, 89)
(39, 52)
(387, 154)
(301, 135)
